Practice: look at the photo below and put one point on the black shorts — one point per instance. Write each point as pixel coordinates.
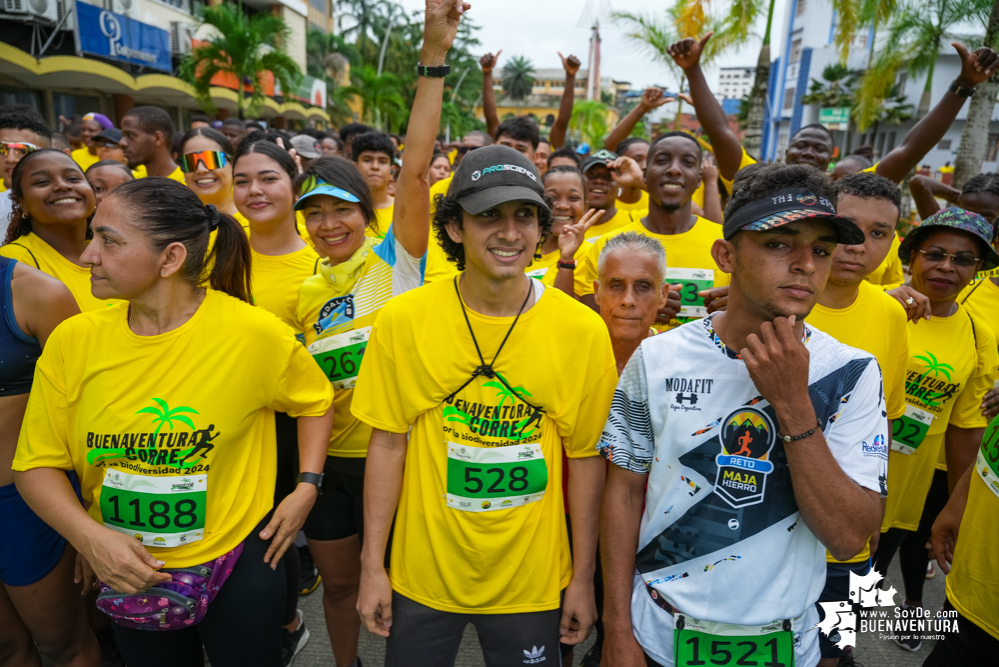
(970, 645)
(837, 589)
(339, 509)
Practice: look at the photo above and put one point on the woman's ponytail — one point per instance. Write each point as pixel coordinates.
(229, 260)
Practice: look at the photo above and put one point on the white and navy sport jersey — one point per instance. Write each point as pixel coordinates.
(721, 538)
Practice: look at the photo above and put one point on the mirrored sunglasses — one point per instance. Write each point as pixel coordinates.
(16, 149)
(211, 160)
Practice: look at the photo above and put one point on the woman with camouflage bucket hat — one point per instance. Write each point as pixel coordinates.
(952, 363)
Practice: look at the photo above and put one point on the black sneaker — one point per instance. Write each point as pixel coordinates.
(910, 643)
(592, 657)
(110, 655)
(847, 659)
(294, 641)
(308, 579)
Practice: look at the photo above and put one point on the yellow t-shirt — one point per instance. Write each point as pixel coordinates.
(874, 323)
(34, 251)
(544, 269)
(952, 363)
(480, 526)
(698, 196)
(381, 223)
(140, 171)
(243, 222)
(889, 273)
(83, 158)
(336, 310)
(971, 584)
(176, 174)
(688, 261)
(620, 219)
(277, 279)
(190, 411)
(641, 205)
(981, 299)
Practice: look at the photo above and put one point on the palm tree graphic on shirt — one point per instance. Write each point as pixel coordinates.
(165, 416)
(934, 366)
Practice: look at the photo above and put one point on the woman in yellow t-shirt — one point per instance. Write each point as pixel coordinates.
(565, 189)
(52, 204)
(337, 308)
(163, 406)
(952, 363)
(206, 161)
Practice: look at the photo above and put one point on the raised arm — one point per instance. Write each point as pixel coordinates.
(976, 67)
(726, 146)
(557, 136)
(652, 98)
(411, 219)
(488, 62)
(924, 192)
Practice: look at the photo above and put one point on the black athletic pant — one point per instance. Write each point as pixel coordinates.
(286, 429)
(241, 627)
(911, 545)
(970, 645)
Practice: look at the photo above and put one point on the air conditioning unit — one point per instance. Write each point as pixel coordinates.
(129, 8)
(65, 7)
(180, 38)
(38, 9)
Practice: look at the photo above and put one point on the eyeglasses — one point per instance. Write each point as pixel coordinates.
(466, 149)
(961, 258)
(105, 143)
(211, 160)
(18, 150)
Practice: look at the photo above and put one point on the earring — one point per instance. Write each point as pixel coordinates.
(163, 273)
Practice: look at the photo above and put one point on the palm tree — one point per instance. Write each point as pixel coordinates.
(975, 134)
(165, 416)
(379, 93)
(893, 110)
(244, 47)
(329, 57)
(364, 13)
(517, 80)
(589, 119)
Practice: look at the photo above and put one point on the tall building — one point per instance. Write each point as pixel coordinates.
(71, 57)
(806, 49)
(734, 83)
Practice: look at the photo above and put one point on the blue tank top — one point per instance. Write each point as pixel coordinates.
(18, 350)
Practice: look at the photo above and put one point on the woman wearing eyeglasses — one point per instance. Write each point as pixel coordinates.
(207, 165)
(952, 363)
(337, 308)
(52, 205)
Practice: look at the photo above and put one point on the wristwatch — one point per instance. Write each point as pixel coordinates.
(961, 91)
(311, 478)
(439, 72)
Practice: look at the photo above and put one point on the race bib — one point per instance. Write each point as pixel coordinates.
(157, 511)
(987, 462)
(486, 479)
(698, 643)
(537, 273)
(692, 281)
(909, 430)
(340, 356)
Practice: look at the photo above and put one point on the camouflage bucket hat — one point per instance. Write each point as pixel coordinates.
(953, 218)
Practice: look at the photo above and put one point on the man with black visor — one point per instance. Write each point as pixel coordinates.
(491, 399)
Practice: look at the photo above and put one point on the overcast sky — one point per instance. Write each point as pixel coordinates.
(539, 30)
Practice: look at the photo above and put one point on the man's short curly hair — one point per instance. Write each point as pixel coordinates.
(868, 185)
(767, 178)
(449, 210)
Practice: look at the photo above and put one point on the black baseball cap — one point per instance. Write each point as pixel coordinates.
(602, 156)
(787, 205)
(494, 175)
(111, 134)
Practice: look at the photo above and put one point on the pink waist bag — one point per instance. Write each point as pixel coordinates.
(171, 605)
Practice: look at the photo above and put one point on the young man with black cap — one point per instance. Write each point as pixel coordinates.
(747, 427)
(469, 368)
(673, 174)
(601, 193)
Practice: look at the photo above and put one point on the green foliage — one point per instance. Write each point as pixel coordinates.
(516, 76)
(244, 46)
(381, 101)
(835, 89)
(589, 120)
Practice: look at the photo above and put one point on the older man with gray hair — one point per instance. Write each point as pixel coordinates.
(631, 289)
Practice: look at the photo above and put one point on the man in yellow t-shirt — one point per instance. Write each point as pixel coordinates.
(672, 175)
(858, 314)
(373, 154)
(973, 639)
(490, 401)
(601, 193)
(146, 139)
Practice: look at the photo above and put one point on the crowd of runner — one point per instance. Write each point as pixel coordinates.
(660, 391)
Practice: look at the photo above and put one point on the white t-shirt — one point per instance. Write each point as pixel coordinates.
(6, 205)
(720, 537)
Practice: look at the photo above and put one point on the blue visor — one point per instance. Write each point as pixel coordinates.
(325, 189)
